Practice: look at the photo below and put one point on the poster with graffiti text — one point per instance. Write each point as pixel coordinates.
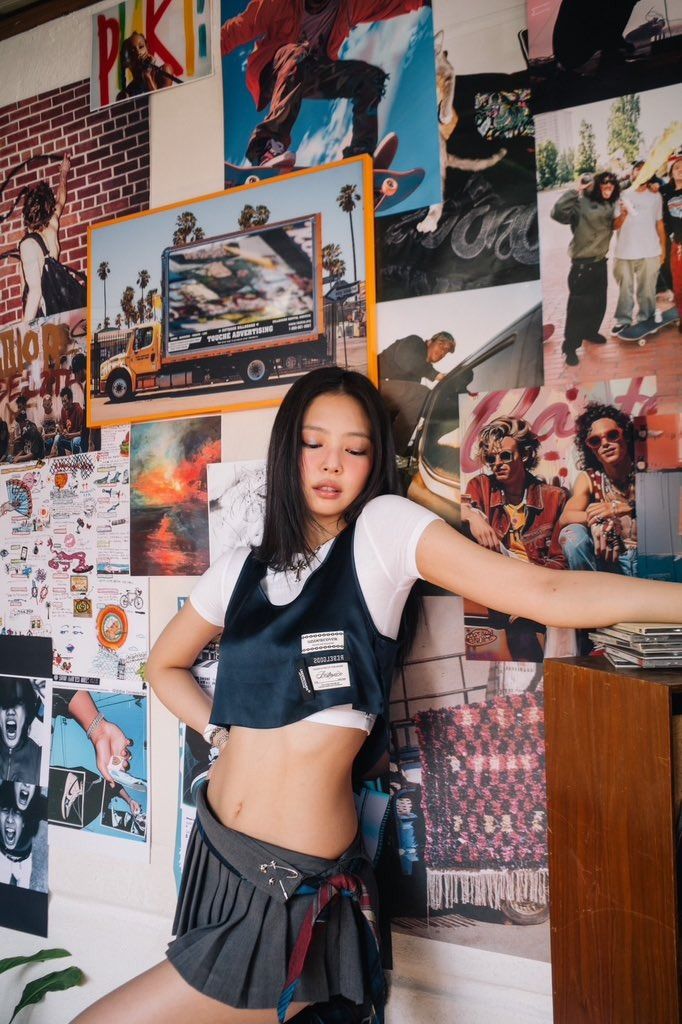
(99, 786)
(484, 231)
(141, 48)
(168, 495)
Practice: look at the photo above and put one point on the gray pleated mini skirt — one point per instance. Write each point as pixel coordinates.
(239, 914)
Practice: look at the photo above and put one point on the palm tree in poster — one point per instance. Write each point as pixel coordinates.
(253, 217)
(128, 305)
(347, 199)
(332, 260)
(187, 229)
(103, 272)
(143, 279)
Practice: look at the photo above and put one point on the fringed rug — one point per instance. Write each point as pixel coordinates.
(483, 783)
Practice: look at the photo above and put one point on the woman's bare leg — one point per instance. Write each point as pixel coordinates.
(162, 996)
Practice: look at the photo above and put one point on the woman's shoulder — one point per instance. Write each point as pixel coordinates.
(389, 515)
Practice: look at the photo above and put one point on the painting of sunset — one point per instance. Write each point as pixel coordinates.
(168, 496)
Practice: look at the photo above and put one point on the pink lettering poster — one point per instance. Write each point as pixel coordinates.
(141, 46)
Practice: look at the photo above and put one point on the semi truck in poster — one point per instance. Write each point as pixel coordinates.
(244, 305)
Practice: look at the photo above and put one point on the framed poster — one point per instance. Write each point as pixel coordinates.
(231, 297)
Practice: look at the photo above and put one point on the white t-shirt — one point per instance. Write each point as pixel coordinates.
(384, 550)
(638, 238)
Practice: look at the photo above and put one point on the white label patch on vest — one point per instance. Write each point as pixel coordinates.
(332, 641)
(329, 677)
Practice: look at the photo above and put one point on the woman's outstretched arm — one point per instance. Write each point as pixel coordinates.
(554, 597)
(169, 662)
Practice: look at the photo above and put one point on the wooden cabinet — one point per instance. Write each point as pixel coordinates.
(613, 797)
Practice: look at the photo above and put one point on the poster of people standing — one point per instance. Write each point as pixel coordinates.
(138, 49)
(25, 704)
(609, 181)
(53, 185)
(308, 84)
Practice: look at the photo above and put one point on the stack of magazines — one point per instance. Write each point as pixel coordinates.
(641, 644)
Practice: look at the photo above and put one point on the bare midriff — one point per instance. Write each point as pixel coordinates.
(289, 786)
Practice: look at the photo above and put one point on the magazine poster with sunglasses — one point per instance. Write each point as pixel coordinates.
(482, 230)
(437, 347)
(246, 290)
(584, 50)
(99, 776)
(548, 476)
(25, 710)
(605, 180)
(139, 49)
(305, 88)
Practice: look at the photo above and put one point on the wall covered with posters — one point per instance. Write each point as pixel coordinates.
(514, 297)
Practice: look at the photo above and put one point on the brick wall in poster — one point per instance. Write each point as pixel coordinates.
(109, 171)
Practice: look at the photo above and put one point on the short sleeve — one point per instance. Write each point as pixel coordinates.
(211, 594)
(385, 552)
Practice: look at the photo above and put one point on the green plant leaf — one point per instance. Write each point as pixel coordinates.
(57, 981)
(34, 958)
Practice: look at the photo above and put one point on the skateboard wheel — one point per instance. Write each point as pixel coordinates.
(389, 187)
(642, 342)
(252, 179)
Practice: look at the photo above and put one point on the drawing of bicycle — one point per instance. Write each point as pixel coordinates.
(134, 598)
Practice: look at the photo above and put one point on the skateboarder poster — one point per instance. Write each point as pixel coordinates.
(608, 178)
(141, 48)
(585, 50)
(483, 231)
(309, 82)
(230, 297)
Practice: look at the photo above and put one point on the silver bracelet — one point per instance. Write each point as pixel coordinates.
(97, 720)
(216, 735)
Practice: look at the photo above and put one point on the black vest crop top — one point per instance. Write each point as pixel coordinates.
(281, 663)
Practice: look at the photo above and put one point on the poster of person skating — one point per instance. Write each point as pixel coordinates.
(308, 82)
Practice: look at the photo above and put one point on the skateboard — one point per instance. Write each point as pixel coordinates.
(390, 187)
(640, 332)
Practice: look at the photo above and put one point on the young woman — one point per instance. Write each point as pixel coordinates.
(672, 218)
(307, 653)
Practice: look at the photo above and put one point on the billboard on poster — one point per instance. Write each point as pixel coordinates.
(315, 86)
(229, 320)
(141, 48)
(263, 283)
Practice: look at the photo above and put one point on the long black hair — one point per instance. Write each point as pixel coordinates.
(288, 519)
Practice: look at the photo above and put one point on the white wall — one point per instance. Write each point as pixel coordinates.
(115, 917)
